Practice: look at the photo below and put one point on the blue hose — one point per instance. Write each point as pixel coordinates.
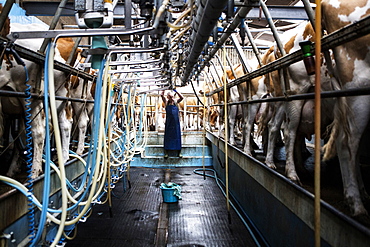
(92, 149)
(28, 115)
(46, 191)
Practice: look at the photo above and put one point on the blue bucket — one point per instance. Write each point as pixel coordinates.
(168, 195)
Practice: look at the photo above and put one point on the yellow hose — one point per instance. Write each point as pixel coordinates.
(226, 124)
(58, 143)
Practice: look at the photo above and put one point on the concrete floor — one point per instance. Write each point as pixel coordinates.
(140, 218)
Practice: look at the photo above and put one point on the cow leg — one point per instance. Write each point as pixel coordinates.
(274, 130)
(38, 137)
(301, 153)
(293, 118)
(191, 120)
(65, 124)
(14, 165)
(249, 126)
(221, 122)
(82, 127)
(348, 153)
(232, 121)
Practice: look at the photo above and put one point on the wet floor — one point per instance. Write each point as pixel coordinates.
(140, 218)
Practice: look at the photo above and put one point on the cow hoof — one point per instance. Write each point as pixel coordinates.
(271, 165)
(248, 153)
(295, 179)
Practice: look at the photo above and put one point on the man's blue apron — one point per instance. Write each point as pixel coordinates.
(172, 133)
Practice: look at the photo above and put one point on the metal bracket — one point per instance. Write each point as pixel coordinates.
(76, 33)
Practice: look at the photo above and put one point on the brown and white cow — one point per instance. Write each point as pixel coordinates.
(13, 77)
(298, 112)
(191, 113)
(213, 111)
(234, 110)
(352, 114)
(82, 111)
(250, 90)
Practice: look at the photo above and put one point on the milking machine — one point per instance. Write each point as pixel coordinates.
(106, 162)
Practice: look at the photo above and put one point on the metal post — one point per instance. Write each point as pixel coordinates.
(283, 75)
(254, 47)
(5, 12)
(223, 66)
(74, 49)
(240, 52)
(310, 12)
(226, 124)
(231, 66)
(219, 79)
(54, 23)
(272, 27)
(128, 5)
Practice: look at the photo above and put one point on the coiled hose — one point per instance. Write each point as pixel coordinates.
(28, 115)
(45, 197)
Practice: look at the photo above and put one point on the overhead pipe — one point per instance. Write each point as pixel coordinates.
(154, 90)
(134, 62)
(241, 14)
(137, 78)
(133, 70)
(206, 17)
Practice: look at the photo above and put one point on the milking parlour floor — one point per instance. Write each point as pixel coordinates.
(141, 218)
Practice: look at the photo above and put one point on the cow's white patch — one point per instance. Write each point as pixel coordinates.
(261, 87)
(356, 15)
(361, 72)
(335, 3)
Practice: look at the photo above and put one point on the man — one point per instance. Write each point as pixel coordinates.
(172, 130)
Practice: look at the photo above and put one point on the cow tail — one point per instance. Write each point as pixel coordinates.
(329, 149)
(340, 124)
